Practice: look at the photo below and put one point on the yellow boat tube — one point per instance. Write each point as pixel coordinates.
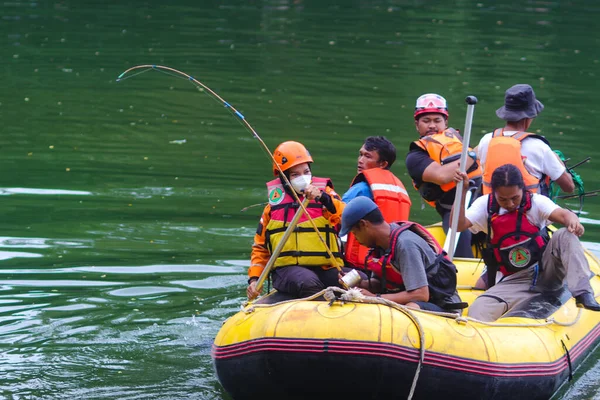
(376, 349)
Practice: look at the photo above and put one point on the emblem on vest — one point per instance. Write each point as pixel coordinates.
(276, 196)
(519, 257)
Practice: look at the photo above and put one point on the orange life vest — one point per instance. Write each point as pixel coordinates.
(444, 147)
(392, 199)
(507, 150)
(303, 247)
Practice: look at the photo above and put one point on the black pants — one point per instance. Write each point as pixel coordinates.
(463, 248)
(302, 282)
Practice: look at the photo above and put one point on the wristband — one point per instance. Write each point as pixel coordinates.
(252, 279)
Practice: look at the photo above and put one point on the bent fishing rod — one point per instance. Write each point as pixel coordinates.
(240, 117)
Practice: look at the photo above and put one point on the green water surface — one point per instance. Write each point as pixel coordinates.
(123, 247)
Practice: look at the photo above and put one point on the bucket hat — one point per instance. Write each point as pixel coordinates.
(519, 103)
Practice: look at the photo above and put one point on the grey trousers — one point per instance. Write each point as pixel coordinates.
(563, 262)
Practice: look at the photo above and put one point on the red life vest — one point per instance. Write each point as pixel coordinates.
(303, 247)
(514, 243)
(392, 199)
(441, 280)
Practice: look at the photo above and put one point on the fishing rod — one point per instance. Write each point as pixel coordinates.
(253, 205)
(591, 193)
(240, 117)
(579, 163)
(555, 190)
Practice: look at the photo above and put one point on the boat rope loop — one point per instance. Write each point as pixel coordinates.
(355, 296)
(568, 360)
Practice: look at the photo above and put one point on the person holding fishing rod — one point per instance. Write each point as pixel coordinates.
(307, 263)
(302, 266)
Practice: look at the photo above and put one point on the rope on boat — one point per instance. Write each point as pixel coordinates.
(354, 295)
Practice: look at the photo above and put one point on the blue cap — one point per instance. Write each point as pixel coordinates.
(354, 211)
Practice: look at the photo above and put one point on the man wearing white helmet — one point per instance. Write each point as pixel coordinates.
(433, 159)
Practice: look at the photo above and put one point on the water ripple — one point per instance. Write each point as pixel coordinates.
(45, 192)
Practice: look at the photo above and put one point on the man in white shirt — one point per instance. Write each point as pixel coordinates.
(538, 159)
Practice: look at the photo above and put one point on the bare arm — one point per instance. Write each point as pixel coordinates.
(463, 222)
(419, 294)
(565, 181)
(442, 174)
(568, 219)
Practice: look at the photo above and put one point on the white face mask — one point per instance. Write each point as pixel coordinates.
(301, 182)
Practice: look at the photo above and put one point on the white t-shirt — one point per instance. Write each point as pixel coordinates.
(539, 159)
(541, 208)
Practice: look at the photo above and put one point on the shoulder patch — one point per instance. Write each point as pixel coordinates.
(276, 196)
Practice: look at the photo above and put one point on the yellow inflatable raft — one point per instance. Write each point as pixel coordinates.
(313, 349)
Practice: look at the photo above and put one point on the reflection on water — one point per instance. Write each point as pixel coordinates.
(586, 386)
(123, 244)
(8, 191)
(6, 255)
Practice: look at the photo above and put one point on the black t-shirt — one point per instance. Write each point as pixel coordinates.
(417, 160)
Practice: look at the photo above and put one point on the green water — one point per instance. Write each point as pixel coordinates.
(123, 246)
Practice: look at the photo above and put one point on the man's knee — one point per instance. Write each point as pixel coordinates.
(563, 235)
(297, 281)
(487, 308)
(309, 286)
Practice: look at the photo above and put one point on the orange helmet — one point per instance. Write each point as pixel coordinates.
(431, 103)
(288, 155)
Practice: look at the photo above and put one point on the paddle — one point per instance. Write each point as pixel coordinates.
(267, 270)
(471, 101)
(450, 229)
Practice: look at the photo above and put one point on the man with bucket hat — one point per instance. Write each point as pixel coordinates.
(512, 144)
(418, 272)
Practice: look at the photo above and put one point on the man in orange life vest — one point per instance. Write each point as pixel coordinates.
(375, 181)
(303, 267)
(514, 145)
(433, 159)
(417, 272)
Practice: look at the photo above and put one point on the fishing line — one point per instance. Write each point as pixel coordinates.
(240, 117)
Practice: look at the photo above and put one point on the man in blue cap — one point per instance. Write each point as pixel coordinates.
(514, 145)
(418, 273)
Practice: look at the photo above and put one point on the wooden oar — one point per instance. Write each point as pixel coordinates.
(471, 101)
(267, 270)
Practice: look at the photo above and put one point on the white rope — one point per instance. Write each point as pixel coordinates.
(354, 295)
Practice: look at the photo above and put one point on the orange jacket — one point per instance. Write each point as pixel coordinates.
(392, 199)
(260, 249)
(507, 150)
(445, 147)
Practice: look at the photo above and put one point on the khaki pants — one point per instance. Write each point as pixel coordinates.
(563, 262)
